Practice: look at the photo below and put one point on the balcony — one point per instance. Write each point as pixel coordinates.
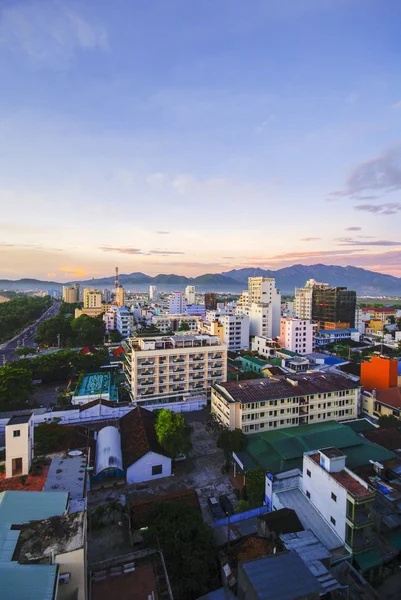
(303, 410)
(178, 360)
(178, 388)
(197, 368)
(360, 518)
(197, 377)
(146, 382)
(145, 363)
(147, 372)
(177, 370)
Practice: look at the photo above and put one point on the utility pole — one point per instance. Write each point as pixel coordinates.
(58, 340)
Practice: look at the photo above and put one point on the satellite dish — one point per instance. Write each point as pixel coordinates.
(75, 453)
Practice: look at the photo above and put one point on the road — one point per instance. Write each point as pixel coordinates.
(7, 350)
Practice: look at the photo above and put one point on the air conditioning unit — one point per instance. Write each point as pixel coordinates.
(64, 578)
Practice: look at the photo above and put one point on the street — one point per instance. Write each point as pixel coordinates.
(7, 350)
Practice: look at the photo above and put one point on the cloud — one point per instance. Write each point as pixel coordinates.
(49, 32)
(353, 228)
(164, 252)
(388, 208)
(317, 254)
(156, 178)
(73, 272)
(347, 241)
(310, 239)
(121, 250)
(162, 232)
(381, 174)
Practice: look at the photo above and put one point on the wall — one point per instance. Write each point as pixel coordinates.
(74, 563)
(242, 516)
(141, 470)
(380, 373)
(19, 447)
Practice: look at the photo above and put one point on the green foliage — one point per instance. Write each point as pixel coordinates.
(184, 326)
(173, 434)
(83, 331)
(20, 312)
(88, 330)
(231, 441)
(388, 421)
(48, 331)
(242, 506)
(115, 337)
(255, 483)
(25, 351)
(68, 308)
(188, 548)
(51, 437)
(15, 386)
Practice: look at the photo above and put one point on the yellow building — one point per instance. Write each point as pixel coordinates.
(119, 299)
(71, 293)
(90, 312)
(379, 403)
(92, 298)
(375, 325)
(284, 401)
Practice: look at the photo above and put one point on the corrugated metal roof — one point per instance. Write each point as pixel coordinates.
(17, 508)
(281, 577)
(27, 582)
(108, 450)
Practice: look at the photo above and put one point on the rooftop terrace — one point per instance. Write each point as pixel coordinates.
(98, 384)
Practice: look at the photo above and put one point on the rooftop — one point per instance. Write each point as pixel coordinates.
(290, 386)
(68, 474)
(96, 384)
(141, 507)
(284, 520)
(389, 397)
(26, 582)
(388, 438)
(21, 507)
(138, 435)
(19, 419)
(346, 480)
(332, 452)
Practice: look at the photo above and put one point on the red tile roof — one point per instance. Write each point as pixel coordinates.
(118, 351)
(97, 402)
(352, 485)
(138, 435)
(88, 350)
(390, 397)
(388, 438)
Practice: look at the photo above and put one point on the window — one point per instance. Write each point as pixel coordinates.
(333, 497)
(308, 494)
(16, 433)
(308, 473)
(157, 469)
(332, 519)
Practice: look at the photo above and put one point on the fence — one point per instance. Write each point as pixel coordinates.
(247, 514)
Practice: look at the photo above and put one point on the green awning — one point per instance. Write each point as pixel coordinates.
(368, 560)
(395, 539)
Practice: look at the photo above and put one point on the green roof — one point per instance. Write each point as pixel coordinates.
(275, 362)
(255, 361)
(360, 425)
(17, 508)
(282, 449)
(368, 560)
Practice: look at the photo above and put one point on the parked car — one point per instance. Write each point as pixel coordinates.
(215, 508)
(226, 505)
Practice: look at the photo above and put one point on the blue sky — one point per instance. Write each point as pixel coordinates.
(193, 137)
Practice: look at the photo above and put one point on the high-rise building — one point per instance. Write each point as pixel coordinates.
(123, 321)
(71, 293)
(190, 294)
(235, 331)
(119, 298)
(177, 304)
(92, 298)
(333, 307)
(107, 296)
(161, 366)
(152, 293)
(297, 335)
(210, 301)
(262, 304)
(303, 299)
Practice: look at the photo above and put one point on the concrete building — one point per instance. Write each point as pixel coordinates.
(109, 319)
(90, 312)
(341, 497)
(164, 366)
(287, 309)
(119, 297)
(19, 444)
(177, 304)
(123, 321)
(323, 337)
(382, 402)
(92, 298)
(333, 307)
(153, 293)
(235, 331)
(297, 335)
(190, 294)
(196, 310)
(106, 296)
(173, 322)
(303, 299)
(264, 346)
(71, 293)
(379, 373)
(359, 320)
(284, 401)
(210, 301)
(262, 304)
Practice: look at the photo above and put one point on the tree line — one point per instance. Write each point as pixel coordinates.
(19, 313)
(66, 331)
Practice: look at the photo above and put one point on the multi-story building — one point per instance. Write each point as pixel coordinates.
(235, 331)
(196, 310)
(71, 293)
(262, 304)
(287, 309)
(284, 401)
(379, 373)
(303, 299)
(190, 294)
(19, 438)
(177, 304)
(107, 296)
(297, 335)
(92, 298)
(153, 293)
(123, 321)
(341, 497)
(172, 366)
(210, 301)
(264, 346)
(119, 297)
(333, 307)
(109, 319)
(167, 323)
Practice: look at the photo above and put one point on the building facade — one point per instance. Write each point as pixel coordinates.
(210, 301)
(333, 307)
(71, 293)
(123, 321)
(152, 293)
(119, 297)
(284, 401)
(264, 346)
(92, 298)
(167, 323)
(177, 304)
(190, 294)
(19, 445)
(297, 335)
(262, 304)
(235, 331)
(165, 366)
(303, 299)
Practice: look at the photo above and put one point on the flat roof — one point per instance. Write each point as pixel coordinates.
(26, 582)
(96, 384)
(17, 508)
(68, 474)
(332, 452)
(345, 479)
(20, 419)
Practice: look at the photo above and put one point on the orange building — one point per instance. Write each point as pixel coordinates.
(379, 374)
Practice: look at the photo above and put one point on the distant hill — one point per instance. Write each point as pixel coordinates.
(363, 281)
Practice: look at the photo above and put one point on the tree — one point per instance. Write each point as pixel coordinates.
(188, 548)
(49, 331)
(115, 337)
(255, 483)
(15, 386)
(231, 441)
(184, 326)
(19, 312)
(388, 421)
(51, 437)
(24, 351)
(88, 330)
(173, 433)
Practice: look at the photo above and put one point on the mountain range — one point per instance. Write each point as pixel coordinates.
(363, 281)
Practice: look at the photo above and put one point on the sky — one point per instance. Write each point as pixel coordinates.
(168, 136)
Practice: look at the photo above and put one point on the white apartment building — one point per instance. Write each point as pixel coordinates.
(287, 309)
(19, 445)
(341, 497)
(284, 401)
(92, 298)
(359, 320)
(196, 310)
(177, 304)
(297, 335)
(235, 331)
(109, 319)
(303, 299)
(190, 294)
(173, 322)
(172, 366)
(264, 346)
(123, 321)
(152, 293)
(262, 303)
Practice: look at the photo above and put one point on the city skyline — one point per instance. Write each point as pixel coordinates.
(174, 138)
